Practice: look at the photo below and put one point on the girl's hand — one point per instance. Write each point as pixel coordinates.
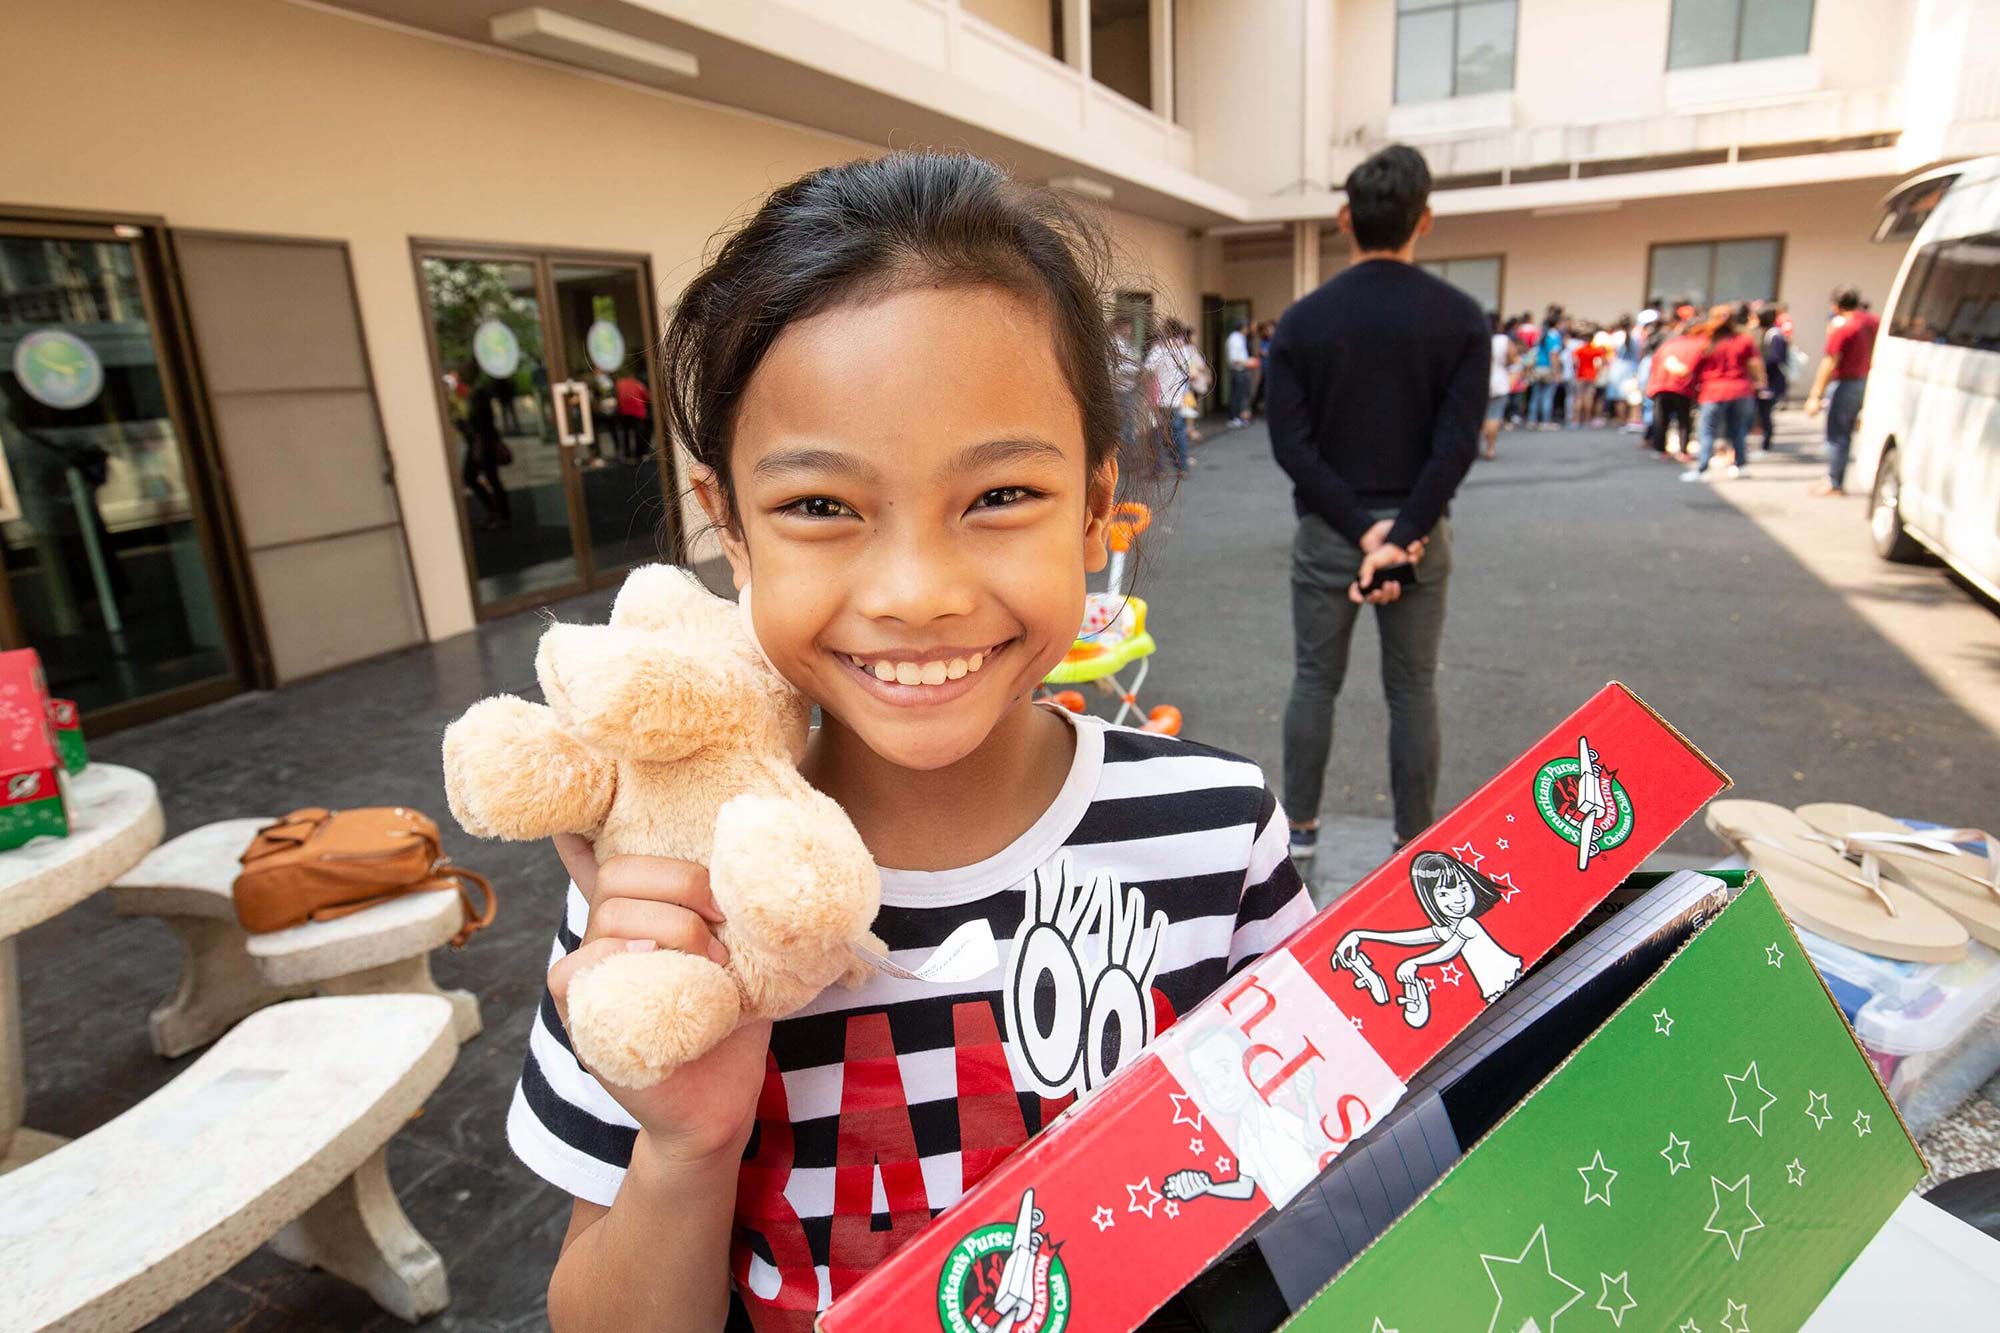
(706, 1108)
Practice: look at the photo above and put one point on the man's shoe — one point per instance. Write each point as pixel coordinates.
(1305, 841)
(1695, 474)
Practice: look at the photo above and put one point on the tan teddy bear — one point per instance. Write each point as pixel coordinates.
(668, 733)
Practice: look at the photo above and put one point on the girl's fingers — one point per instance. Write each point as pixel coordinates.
(668, 925)
(579, 858)
(659, 879)
(577, 960)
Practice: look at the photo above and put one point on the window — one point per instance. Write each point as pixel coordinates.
(1953, 295)
(1477, 278)
(1705, 272)
(1722, 32)
(1453, 48)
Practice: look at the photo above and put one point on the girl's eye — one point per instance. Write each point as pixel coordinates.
(1002, 496)
(819, 506)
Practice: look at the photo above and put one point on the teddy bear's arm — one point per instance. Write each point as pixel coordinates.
(511, 772)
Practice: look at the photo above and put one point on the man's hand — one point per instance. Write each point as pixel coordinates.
(1384, 556)
(1812, 407)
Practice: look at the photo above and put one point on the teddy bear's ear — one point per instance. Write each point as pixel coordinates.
(635, 694)
(665, 597)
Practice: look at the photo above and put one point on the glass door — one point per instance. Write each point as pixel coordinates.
(493, 374)
(542, 367)
(607, 333)
(109, 571)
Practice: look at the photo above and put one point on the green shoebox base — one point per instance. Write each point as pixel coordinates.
(1712, 1159)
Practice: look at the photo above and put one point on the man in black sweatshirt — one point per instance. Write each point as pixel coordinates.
(1376, 387)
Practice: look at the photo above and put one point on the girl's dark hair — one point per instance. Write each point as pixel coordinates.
(868, 228)
(1428, 868)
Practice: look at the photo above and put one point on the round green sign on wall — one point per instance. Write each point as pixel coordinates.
(606, 345)
(58, 369)
(496, 349)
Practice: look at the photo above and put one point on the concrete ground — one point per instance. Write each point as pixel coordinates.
(1754, 619)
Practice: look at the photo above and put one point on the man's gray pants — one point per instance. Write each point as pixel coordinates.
(1324, 563)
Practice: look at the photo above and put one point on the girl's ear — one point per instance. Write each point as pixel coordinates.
(708, 492)
(1098, 499)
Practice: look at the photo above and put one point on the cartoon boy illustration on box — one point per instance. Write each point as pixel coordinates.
(1277, 1145)
(1454, 896)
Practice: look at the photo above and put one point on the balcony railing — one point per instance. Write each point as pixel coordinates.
(1724, 133)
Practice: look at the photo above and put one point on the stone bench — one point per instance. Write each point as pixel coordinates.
(227, 972)
(278, 1133)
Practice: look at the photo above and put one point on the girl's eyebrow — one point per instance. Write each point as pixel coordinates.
(818, 461)
(824, 462)
(1024, 449)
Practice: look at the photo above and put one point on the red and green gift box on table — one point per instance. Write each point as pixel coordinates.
(1129, 1195)
(32, 796)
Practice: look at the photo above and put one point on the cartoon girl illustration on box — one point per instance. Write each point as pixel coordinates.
(1454, 896)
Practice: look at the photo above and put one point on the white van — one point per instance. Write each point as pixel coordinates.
(1930, 426)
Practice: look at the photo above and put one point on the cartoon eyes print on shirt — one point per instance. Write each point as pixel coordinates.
(1079, 981)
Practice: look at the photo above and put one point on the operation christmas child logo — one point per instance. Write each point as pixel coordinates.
(1005, 1278)
(1583, 804)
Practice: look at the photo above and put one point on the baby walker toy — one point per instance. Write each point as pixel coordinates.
(1113, 637)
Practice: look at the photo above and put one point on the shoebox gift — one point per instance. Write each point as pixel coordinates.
(32, 801)
(1239, 1106)
(1713, 1157)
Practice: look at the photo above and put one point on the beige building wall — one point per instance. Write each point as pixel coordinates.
(1595, 264)
(1157, 257)
(258, 116)
(1241, 100)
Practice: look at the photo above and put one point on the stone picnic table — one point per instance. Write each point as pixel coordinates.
(115, 819)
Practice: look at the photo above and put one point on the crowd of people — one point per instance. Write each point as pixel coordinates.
(1695, 386)
(1691, 384)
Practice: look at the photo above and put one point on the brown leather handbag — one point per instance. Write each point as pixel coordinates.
(315, 865)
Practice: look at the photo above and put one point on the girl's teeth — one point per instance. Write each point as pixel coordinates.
(922, 673)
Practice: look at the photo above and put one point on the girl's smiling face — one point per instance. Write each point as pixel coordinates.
(914, 500)
(1453, 897)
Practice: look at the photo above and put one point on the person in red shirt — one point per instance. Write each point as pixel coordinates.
(1850, 351)
(1589, 358)
(1726, 381)
(1671, 387)
(635, 409)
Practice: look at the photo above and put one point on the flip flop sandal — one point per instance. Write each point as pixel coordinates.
(1365, 976)
(1927, 860)
(1829, 895)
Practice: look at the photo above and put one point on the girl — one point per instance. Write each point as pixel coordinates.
(1727, 378)
(895, 383)
(1454, 896)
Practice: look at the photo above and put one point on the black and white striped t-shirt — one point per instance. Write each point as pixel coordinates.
(1160, 867)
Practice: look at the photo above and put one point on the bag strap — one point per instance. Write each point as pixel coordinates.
(444, 875)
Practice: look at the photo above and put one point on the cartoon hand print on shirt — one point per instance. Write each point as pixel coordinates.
(1078, 998)
(1454, 896)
